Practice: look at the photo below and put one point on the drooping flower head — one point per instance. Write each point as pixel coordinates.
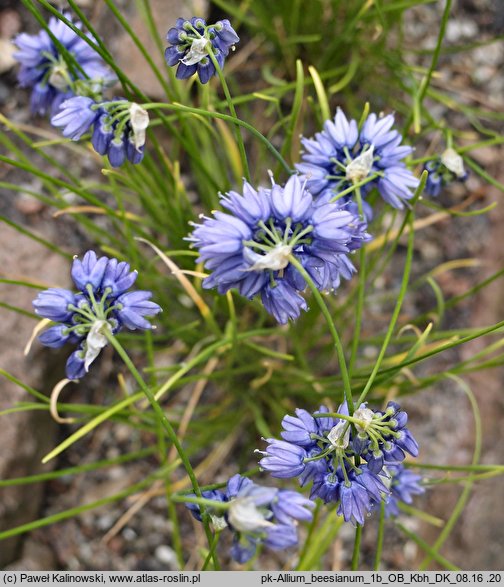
(101, 306)
(190, 43)
(443, 170)
(117, 126)
(45, 71)
(342, 155)
(255, 514)
(250, 247)
(349, 460)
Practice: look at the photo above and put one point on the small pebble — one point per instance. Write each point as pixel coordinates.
(166, 555)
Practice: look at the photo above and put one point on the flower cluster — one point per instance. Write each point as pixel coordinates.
(102, 306)
(443, 171)
(45, 70)
(403, 485)
(255, 514)
(190, 44)
(347, 458)
(251, 249)
(342, 156)
(118, 126)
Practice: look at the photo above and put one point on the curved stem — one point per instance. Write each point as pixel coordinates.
(332, 328)
(227, 118)
(395, 315)
(239, 138)
(164, 423)
(339, 417)
(402, 293)
(217, 505)
(360, 291)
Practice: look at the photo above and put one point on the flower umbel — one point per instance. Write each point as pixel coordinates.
(349, 459)
(256, 514)
(100, 307)
(403, 485)
(249, 248)
(118, 126)
(45, 71)
(443, 170)
(341, 156)
(190, 44)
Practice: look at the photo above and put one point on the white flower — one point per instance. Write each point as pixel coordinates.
(59, 77)
(360, 167)
(95, 341)
(139, 120)
(197, 52)
(454, 162)
(244, 515)
(366, 415)
(218, 522)
(336, 436)
(276, 259)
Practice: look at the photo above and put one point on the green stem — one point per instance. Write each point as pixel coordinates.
(164, 423)
(340, 417)
(402, 293)
(216, 505)
(239, 138)
(356, 550)
(379, 540)
(334, 333)
(424, 86)
(354, 187)
(124, 23)
(227, 118)
(360, 291)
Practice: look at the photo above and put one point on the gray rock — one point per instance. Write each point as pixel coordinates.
(25, 437)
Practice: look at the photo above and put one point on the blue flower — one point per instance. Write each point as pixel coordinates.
(102, 306)
(283, 459)
(256, 515)
(89, 271)
(244, 547)
(281, 536)
(117, 127)
(76, 364)
(190, 43)
(332, 453)
(282, 301)
(249, 248)
(314, 469)
(290, 505)
(354, 503)
(55, 336)
(299, 429)
(44, 70)
(75, 116)
(326, 486)
(132, 307)
(118, 277)
(404, 485)
(341, 156)
(54, 303)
